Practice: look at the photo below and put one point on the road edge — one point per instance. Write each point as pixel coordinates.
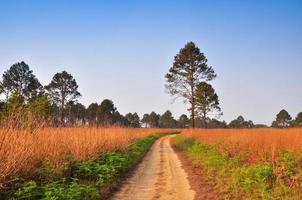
(202, 187)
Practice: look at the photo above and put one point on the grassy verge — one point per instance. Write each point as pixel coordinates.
(88, 179)
(238, 179)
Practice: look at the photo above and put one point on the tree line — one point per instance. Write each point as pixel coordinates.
(189, 78)
(24, 98)
(283, 120)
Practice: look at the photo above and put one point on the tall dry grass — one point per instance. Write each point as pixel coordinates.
(20, 150)
(259, 143)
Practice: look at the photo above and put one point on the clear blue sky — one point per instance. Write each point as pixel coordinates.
(121, 50)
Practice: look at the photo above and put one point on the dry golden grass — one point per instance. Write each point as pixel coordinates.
(258, 142)
(21, 150)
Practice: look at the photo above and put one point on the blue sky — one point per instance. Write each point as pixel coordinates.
(121, 50)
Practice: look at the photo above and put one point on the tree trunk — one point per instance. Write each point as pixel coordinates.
(62, 110)
(62, 116)
(205, 120)
(192, 106)
(193, 115)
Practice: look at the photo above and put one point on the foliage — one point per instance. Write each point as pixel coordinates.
(240, 123)
(206, 100)
(21, 80)
(146, 119)
(188, 70)
(62, 89)
(166, 120)
(298, 120)
(57, 190)
(214, 123)
(133, 119)
(113, 164)
(3, 111)
(75, 113)
(40, 107)
(106, 112)
(183, 121)
(151, 120)
(209, 123)
(283, 119)
(91, 113)
(15, 103)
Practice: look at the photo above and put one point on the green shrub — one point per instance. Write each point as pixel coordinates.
(28, 190)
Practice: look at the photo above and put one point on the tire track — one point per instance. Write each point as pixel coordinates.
(158, 177)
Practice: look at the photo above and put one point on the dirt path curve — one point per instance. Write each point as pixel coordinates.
(158, 176)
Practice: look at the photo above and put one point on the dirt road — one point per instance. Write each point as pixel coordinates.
(158, 176)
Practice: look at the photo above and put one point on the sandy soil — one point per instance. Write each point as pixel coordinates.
(159, 176)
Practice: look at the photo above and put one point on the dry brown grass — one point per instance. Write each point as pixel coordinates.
(21, 150)
(259, 142)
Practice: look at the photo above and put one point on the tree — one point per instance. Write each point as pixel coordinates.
(260, 126)
(75, 113)
(237, 123)
(62, 89)
(214, 123)
(119, 119)
(133, 119)
(199, 123)
(91, 113)
(40, 108)
(206, 100)
(15, 111)
(241, 123)
(106, 113)
(55, 115)
(283, 119)
(248, 124)
(15, 105)
(21, 80)
(3, 110)
(183, 121)
(146, 120)
(188, 70)
(166, 120)
(298, 120)
(154, 120)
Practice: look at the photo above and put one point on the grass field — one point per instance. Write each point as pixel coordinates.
(22, 151)
(248, 163)
(88, 162)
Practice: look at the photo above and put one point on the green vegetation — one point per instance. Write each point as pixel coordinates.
(206, 101)
(189, 69)
(283, 119)
(237, 178)
(62, 89)
(23, 97)
(87, 179)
